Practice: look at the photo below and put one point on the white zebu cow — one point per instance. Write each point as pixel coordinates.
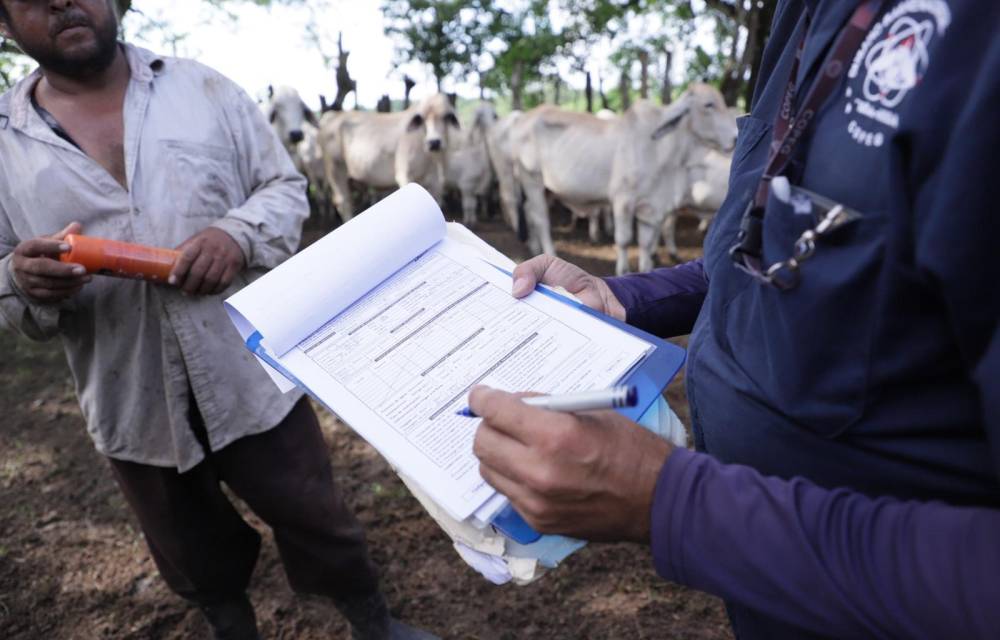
(502, 158)
(288, 114)
(386, 150)
(636, 162)
(708, 183)
(594, 214)
(298, 129)
(469, 169)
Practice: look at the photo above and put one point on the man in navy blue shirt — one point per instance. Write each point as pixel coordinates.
(849, 407)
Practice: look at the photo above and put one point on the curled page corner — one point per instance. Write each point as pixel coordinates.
(290, 302)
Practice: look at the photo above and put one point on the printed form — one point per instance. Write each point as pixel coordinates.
(410, 350)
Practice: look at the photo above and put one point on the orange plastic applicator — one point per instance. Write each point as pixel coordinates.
(120, 259)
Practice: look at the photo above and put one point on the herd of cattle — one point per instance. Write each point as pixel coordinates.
(639, 169)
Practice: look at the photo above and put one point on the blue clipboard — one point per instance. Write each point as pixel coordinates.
(650, 376)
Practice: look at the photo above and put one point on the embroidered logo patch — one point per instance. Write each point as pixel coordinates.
(891, 62)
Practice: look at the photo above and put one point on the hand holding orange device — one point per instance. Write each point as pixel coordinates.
(120, 259)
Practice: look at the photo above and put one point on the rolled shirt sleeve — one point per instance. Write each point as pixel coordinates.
(664, 302)
(268, 226)
(18, 312)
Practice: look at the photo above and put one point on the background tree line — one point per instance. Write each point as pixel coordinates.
(531, 51)
(523, 49)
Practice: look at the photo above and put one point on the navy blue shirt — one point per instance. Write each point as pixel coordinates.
(873, 388)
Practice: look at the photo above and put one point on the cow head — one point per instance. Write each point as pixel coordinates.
(701, 111)
(287, 113)
(485, 117)
(433, 118)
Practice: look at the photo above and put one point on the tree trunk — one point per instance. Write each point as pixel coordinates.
(667, 90)
(589, 93)
(756, 55)
(600, 91)
(408, 85)
(735, 72)
(644, 74)
(516, 85)
(345, 84)
(557, 90)
(624, 88)
(482, 85)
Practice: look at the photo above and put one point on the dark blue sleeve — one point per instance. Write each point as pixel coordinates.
(831, 561)
(664, 302)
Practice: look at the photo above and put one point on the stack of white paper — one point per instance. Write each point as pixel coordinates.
(390, 320)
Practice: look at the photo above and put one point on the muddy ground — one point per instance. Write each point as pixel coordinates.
(74, 566)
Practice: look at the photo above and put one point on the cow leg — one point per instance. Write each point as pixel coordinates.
(329, 211)
(624, 217)
(649, 240)
(342, 198)
(508, 201)
(469, 205)
(706, 220)
(339, 185)
(537, 213)
(594, 229)
(670, 235)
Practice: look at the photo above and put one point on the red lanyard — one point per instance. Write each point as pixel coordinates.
(789, 127)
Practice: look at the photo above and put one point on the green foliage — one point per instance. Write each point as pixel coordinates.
(460, 39)
(525, 42)
(435, 32)
(515, 46)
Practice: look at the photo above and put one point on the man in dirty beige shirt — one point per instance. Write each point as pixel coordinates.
(112, 141)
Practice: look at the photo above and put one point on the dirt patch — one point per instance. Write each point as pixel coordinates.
(73, 564)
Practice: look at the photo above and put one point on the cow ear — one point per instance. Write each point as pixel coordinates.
(452, 119)
(309, 115)
(416, 122)
(670, 124)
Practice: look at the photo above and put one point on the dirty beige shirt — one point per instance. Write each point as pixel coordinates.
(199, 153)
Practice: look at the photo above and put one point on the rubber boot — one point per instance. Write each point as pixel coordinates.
(231, 619)
(370, 620)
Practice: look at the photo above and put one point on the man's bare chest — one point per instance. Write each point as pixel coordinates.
(101, 136)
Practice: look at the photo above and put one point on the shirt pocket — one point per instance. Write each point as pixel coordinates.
(201, 178)
(806, 352)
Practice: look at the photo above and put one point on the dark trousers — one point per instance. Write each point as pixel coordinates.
(203, 548)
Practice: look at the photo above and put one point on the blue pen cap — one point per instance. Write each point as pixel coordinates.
(632, 398)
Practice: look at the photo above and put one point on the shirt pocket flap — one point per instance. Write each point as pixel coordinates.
(202, 178)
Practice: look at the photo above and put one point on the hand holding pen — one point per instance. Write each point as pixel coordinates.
(613, 398)
(586, 475)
